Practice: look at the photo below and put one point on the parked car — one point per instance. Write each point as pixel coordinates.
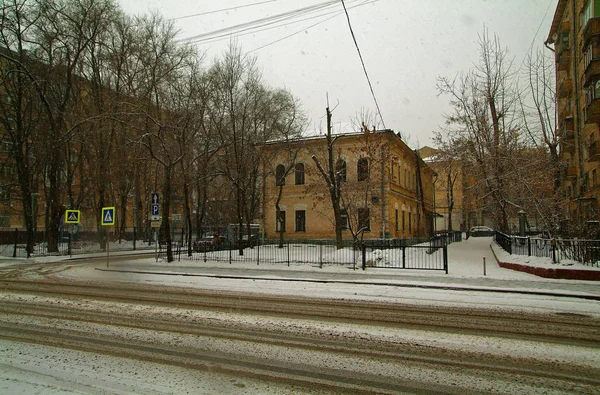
(481, 231)
(212, 243)
(249, 241)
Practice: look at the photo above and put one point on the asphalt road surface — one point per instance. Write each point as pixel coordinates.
(84, 336)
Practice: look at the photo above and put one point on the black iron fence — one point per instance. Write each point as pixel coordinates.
(71, 241)
(586, 252)
(421, 254)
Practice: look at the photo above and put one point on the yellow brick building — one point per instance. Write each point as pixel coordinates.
(387, 187)
(575, 36)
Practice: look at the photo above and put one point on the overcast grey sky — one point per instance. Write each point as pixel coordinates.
(406, 46)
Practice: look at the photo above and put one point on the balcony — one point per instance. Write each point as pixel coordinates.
(592, 72)
(592, 112)
(565, 88)
(594, 152)
(567, 147)
(592, 29)
(563, 59)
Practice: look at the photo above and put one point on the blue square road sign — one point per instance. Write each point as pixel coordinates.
(108, 216)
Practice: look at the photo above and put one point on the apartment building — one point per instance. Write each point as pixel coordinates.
(387, 188)
(575, 38)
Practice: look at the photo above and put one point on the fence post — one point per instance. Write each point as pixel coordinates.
(553, 250)
(445, 254)
(403, 257)
(16, 241)
(321, 255)
(69, 251)
(257, 251)
(484, 271)
(529, 246)
(288, 253)
(134, 237)
(364, 256)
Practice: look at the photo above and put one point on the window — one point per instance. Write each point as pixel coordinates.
(592, 92)
(403, 221)
(400, 173)
(280, 175)
(280, 222)
(363, 169)
(344, 219)
(4, 193)
(590, 11)
(397, 224)
(594, 178)
(410, 221)
(300, 221)
(300, 174)
(364, 220)
(340, 169)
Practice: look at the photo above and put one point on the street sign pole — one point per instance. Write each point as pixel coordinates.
(155, 215)
(108, 219)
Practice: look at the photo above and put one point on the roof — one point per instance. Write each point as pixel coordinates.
(322, 136)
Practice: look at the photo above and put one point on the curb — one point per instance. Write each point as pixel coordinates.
(555, 273)
(387, 284)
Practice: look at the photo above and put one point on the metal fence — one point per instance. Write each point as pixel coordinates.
(422, 254)
(432, 255)
(13, 242)
(586, 252)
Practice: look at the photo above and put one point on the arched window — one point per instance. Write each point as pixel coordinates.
(363, 169)
(300, 174)
(280, 175)
(340, 169)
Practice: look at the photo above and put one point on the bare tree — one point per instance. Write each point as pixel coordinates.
(482, 127)
(164, 79)
(332, 176)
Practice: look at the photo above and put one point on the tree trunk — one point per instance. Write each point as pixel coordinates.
(165, 229)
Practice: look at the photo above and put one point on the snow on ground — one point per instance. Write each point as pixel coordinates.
(29, 368)
(504, 288)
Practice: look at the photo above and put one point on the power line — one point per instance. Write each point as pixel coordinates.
(293, 34)
(321, 9)
(363, 64)
(222, 10)
(335, 14)
(536, 34)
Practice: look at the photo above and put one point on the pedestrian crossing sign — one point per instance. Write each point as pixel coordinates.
(72, 216)
(108, 216)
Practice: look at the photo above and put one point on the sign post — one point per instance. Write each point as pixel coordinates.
(155, 215)
(72, 218)
(108, 219)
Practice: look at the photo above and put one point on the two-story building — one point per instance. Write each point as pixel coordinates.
(386, 188)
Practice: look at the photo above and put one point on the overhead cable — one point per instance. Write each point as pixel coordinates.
(363, 64)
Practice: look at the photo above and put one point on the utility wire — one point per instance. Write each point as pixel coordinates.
(274, 21)
(221, 10)
(335, 14)
(536, 34)
(293, 34)
(363, 64)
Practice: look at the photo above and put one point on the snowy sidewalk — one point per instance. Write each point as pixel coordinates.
(465, 273)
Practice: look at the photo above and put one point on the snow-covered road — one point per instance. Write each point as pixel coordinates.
(125, 331)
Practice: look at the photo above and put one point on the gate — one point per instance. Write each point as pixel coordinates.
(426, 256)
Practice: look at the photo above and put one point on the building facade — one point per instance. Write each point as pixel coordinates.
(575, 40)
(386, 190)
